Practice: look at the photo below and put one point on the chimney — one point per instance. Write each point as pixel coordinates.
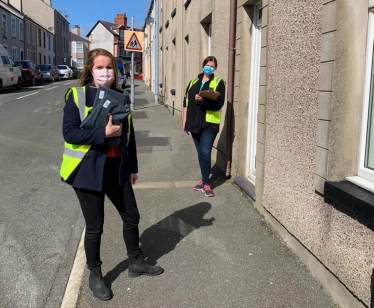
(121, 19)
(76, 30)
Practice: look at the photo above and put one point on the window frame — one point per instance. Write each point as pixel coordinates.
(3, 24)
(13, 27)
(21, 31)
(365, 176)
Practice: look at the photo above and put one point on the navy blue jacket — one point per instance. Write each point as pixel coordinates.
(89, 174)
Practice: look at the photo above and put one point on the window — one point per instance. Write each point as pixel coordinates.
(79, 62)
(13, 27)
(44, 40)
(39, 37)
(28, 34)
(3, 25)
(77, 47)
(21, 32)
(365, 171)
(121, 35)
(209, 39)
(33, 34)
(6, 61)
(14, 53)
(21, 54)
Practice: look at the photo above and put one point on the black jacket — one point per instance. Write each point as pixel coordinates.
(89, 174)
(196, 111)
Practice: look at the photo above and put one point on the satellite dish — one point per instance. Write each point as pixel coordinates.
(50, 28)
(66, 16)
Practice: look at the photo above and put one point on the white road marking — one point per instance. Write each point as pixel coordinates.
(65, 84)
(27, 95)
(50, 88)
(75, 280)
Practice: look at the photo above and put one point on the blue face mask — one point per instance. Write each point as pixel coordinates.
(208, 70)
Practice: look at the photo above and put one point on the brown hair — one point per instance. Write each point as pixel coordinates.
(86, 76)
(210, 58)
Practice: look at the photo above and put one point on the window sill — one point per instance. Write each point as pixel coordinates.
(359, 181)
(352, 200)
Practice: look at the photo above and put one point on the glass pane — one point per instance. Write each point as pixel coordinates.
(369, 151)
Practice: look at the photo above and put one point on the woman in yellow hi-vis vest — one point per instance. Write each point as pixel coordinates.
(202, 117)
(96, 168)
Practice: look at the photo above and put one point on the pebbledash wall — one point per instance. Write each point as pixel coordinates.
(310, 100)
(308, 73)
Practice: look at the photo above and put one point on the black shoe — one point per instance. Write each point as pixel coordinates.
(138, 266)
(97, 285)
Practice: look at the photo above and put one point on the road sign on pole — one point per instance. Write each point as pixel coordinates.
(134, 41)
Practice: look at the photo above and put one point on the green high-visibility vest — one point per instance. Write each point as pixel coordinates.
(74, 153)
(211, 116)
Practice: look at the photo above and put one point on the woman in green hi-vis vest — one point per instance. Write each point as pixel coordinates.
(202, 117)
(104, 169)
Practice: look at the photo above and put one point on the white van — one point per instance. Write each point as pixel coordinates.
(10, 74)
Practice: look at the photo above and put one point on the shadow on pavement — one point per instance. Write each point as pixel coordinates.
(161, 238)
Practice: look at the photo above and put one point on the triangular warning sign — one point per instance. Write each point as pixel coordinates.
(134, 44)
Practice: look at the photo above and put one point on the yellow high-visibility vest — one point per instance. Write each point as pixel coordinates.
(211, 116)
(74, 153)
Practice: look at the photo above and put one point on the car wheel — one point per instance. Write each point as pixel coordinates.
(19, 84)
(32, 83)
(1, 86)
(59, 78)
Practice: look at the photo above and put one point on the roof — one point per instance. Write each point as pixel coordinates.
(109, 26)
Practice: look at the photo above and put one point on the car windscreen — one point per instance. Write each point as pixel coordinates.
(62, 67)
(45, 67)
(22, 64)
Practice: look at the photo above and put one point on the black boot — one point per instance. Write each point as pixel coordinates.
(138, 267)
(97, 285)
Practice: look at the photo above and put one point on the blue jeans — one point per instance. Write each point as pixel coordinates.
(204, 144)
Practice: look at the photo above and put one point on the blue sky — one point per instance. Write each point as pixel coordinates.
(86, 13)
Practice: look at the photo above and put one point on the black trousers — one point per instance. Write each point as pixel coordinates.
(92, 204)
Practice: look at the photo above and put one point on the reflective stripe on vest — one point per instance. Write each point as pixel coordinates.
(211, 116)
(73, 153)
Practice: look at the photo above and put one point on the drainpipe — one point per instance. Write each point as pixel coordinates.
(230, 87)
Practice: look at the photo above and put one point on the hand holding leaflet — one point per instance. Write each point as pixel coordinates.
(210, 94)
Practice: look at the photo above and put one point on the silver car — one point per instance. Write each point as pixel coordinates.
(50, 72)
(65, 71)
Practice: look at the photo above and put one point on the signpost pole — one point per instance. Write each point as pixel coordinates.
(132, 71)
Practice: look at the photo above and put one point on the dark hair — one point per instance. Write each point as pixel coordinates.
(210, 58)
(87, 77)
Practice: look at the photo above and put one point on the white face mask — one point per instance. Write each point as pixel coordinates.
(103, 77)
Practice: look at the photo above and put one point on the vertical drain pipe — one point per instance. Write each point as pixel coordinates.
(230, 86)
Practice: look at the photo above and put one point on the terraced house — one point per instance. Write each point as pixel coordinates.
(297, 135)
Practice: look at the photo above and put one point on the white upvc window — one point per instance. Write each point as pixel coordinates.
(21, 32)
(210, 39)
(365, 173)
(14, 53)
(3, 25)
(13, 27)
(77, 47)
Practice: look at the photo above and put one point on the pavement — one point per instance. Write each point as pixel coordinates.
(216, 252)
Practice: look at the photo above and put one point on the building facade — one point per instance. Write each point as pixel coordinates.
(12, 35)
(79, 48)
(297, 134)
(110, 36)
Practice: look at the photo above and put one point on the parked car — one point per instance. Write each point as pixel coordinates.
(65, 71)
(75, 71)
(50, 72)
(30, 73)
(10, 74)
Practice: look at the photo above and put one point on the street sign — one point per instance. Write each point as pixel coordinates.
(134, 41)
